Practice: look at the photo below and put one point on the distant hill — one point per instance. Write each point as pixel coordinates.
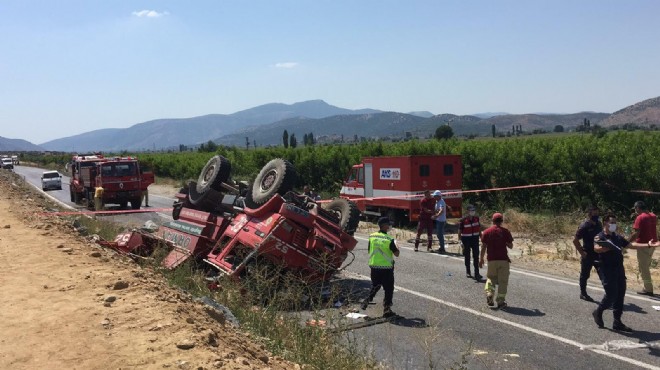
(644, 113)
(363, 125)
(265, 124)
(489, 114)
(169, 133)
(17, 145)
(531, 122)
(424, 113)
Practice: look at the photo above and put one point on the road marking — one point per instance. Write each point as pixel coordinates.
(540, 276)
(517, 325)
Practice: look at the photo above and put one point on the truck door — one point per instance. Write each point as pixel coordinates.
(368, 180)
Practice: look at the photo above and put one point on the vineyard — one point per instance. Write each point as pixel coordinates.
(606, 167)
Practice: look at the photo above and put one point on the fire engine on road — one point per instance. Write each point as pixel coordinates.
(393, 186)
(122, 180)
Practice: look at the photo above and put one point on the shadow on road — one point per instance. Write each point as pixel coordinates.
(642, 336)
(631, 307)
(411, 323)
(520, 311)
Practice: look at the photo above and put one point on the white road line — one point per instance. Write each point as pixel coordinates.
(540, 276)
(519, 326)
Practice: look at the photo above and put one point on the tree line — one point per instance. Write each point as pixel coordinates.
(609, 169)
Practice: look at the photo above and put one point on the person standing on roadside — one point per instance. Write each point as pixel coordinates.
(469, 231)
(382, 249)
(609, 246)
(495, 240)
(425, 223)
(586, 232)
(645, 227)
(440, 218)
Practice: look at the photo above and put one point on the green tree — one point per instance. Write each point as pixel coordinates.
(293, 142)
(559, 128)
(444, 132)
(285, 138)
(493, 130)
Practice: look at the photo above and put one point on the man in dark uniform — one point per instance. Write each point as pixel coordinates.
(587, 232)
(469, 232)
(609, 246)
(382, 250)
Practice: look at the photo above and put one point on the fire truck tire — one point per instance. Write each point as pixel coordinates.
(76, 197)
(89, 198)
(123, 204)
(347, 212)
(136, 203)
(73, 198)
(215, 172)
(276, 177)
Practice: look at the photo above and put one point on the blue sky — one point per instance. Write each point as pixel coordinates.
(68, 67)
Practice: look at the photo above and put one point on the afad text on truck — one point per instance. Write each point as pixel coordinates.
(394, 186)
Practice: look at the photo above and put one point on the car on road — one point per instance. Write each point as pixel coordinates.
(7, 163)
(51, 180)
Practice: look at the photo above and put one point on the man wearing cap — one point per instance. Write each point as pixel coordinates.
(425, 223)
(495, 240)
(440, 218)
(469, 231)
(586, 232)
(645, 227)
(382, 250)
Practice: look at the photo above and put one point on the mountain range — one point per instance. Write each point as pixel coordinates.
(265, 124)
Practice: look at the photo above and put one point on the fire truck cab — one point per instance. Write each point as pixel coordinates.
(393, 186)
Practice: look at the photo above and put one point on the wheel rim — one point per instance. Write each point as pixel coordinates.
(207, 175)
(268, 180)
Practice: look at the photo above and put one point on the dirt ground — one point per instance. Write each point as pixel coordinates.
(67, 304)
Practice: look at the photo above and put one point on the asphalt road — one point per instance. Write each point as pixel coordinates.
(448, 325)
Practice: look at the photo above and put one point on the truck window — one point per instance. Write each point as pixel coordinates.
(106, 170)
(424, 170)
(361, 176)
(352, 176)
(449, 170)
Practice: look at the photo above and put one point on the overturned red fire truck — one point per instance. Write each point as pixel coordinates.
(232, 227)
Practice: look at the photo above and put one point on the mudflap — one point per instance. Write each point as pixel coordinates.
(176, 257)
(131, 242)
(368, 321)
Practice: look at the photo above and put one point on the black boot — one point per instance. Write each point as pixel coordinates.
(619, 326)
(598, 318)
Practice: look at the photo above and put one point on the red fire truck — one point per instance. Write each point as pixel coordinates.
(122, 180)
(393, 186)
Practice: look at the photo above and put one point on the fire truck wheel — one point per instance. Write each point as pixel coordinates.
(76, 197)
(347, 212)
(136, 203)
(276, 177)
(123, 204)
(73, 197)
(216, 171)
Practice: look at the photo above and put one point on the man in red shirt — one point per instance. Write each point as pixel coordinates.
(645, 231)
(495, 240)
(427, 209)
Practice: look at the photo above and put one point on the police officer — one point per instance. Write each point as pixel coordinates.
(609, 246)
(382, 249)
(586, 232)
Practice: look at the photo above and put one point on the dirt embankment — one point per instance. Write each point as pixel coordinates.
(67, 304)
